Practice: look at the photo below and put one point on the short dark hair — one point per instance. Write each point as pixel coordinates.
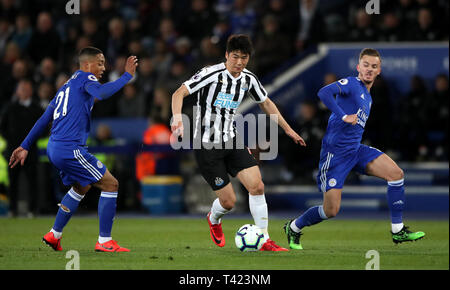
(370, 52)
(240, 42)
(88, 51)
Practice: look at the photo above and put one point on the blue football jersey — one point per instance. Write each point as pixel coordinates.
(353, 98)
(72, 107)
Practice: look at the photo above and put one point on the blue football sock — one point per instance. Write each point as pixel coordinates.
(70, 201)
(106, 212)
(396, 200)
(311, 217)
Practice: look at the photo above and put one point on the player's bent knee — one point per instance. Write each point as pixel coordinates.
(257, 189)
(112, 185)
(331, 212)
(396, 174)
(228, 204)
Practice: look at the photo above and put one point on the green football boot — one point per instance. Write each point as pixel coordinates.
(292, 237)
(406, 235)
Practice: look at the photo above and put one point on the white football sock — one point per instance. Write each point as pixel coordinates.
(217, 212)
(102, 240)
(258, 209)
(294, 227)
(396, 227)
(56, 234)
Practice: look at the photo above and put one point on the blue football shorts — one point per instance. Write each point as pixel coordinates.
(334, 166)
(75, 163)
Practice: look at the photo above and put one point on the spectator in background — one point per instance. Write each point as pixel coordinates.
(162, 104)
(162, 58)
(198, 21)
(46, 72)
(168, 33)
(45, 93)
(287, 14)
(152, 163)
(272, 47)
(6, 32)
(309, 124)
(407, 13)
(164, 9)
(17, 119)
(183, 51)
(107, 11)
(437, 128)
(220, 33)
(145, 81)
(90, 29)
(209, 53)
(118, 68)
(311, 25)
(135, 47)
(131, 103)
(60, 80)
(23, 31)
(70, 49)
(45, 41)
(223, 8)
(381, 116)
(412, 130)
(177, 74)
(8, 10)
(242, 18)
(425, 29)
(117, 41)
(8, 81)
(390, 29)
(364, 29)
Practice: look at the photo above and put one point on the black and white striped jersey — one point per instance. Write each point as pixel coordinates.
(218, 97)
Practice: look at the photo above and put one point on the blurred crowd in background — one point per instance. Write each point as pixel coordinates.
(173, 39)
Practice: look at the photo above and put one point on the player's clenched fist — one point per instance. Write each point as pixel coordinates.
(351, 119)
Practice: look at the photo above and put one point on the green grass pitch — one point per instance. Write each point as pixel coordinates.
(184, 244)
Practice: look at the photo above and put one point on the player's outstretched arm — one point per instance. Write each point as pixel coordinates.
(271, 109)
(105, 91)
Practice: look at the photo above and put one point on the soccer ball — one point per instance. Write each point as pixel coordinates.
(249, 238)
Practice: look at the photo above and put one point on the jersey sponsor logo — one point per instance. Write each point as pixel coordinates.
(225, 100)
(362, 118)
(332, 182)
(218, 181)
